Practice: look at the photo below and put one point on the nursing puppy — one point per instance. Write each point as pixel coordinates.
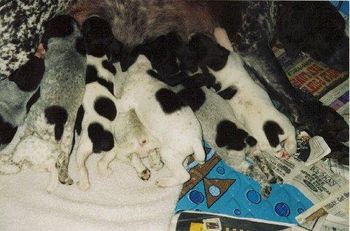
(250, 103)
(98, 128)
(47, 131)
(227, 136)
(17, 95)
(161, 111)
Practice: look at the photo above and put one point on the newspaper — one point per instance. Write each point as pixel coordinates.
(337, 205)
(332, 223)
(317, 181)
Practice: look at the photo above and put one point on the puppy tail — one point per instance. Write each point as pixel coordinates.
(199, 153)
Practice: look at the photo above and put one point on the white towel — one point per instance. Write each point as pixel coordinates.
(119, 202)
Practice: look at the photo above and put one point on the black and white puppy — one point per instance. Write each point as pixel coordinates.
(17, 95)
(98, 128)
(170, 60)
(315, 28)
(251, 104)
(46, 134)
(161, 111)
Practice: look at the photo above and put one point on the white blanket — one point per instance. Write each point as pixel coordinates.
(119, 202)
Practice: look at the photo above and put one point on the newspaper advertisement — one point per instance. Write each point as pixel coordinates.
(317, 182)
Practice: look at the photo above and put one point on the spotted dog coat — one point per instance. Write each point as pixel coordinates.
(250, 103)
(161, 111)
(315, 28)
(17, 94)
(21, 26)
(98, 128)
(227, 135)
(50, 122)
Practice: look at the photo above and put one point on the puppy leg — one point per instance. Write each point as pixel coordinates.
(143, 172)
(103, 168)
(290, 144)
(173, 161)
(10, 148)
(62, 163)
(83, 152)
(154, 159)
(199, 153)
(53, 177)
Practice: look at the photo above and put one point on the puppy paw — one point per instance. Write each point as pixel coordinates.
(157, 166)
(103, 170)
(83, 186)
(9, 168)
(145, 174)
(283, 154)
(166, 182)
(52, 186)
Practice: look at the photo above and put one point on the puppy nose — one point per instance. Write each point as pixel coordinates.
(143, 142)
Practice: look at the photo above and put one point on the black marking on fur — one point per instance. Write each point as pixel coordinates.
(209, 52)
(106, 108)
(272, 130)
(101, 139)
(91, 76)
(33, 99)
(59, 26)
(228, 93)
(251, 141)
(109, 66)
(7, 131)
(168, 100)
(79, 119)
(28, 76)
(80, 46)
(58, 116)
(98, 36)
(193, 97)
(229, 136)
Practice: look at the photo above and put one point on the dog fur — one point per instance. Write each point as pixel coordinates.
(50, 122)
(250, 103)
(174, 125)
(98, 128)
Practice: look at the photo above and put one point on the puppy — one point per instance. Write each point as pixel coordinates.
(171, 59)
(250, 103)
(160, 110)
(17, 94)
(227, 136)
(50, 122)
(133, 143)
(98, 129)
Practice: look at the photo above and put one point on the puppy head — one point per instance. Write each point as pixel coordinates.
(208, 52)
(162, 53)
(318, 29)
(99, 39)
(59, 26)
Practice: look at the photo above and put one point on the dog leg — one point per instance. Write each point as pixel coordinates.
(10, 148)
(198, 151)
(103, 168)
(53, 177)
(154, 159)
(83, 152)
(143, 172)
(175, 164)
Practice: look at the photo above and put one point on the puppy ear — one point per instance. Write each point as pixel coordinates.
(115, 51)
(80, 46)
(127, 59)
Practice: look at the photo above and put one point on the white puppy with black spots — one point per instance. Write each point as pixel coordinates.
(251, 104)
(48, 128)
(160, 110)
(98, 128)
